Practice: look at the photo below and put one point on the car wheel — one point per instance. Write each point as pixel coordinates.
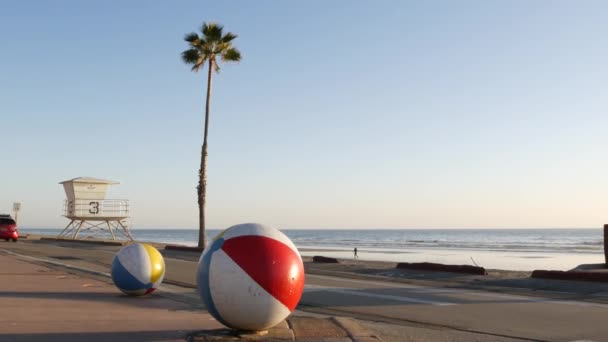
(6, 239)
(14, 240)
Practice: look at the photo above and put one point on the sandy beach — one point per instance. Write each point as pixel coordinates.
(388, 269)
(515, 261)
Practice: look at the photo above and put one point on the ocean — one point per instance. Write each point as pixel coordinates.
(514, 249)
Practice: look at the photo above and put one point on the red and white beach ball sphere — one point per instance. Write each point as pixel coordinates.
(251, 277)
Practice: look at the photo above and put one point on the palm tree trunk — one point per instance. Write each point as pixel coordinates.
(202, 173)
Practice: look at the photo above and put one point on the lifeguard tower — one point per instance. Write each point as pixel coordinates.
(90, 213)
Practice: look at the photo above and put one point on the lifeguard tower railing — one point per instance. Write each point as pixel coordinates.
(92, 218)
(96, 209)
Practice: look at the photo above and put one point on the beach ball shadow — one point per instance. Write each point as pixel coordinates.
(138, 269)
(250, 277)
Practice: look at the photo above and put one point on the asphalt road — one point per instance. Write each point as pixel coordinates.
(489, 314)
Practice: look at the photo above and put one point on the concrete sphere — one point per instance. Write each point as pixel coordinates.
(138, 269)
(250, 277)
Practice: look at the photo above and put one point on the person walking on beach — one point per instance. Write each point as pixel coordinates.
(356, 256)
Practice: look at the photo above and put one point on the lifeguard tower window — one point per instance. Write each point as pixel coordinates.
(90, 213)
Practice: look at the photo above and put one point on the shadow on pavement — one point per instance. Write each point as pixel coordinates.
(149, 301)
(97, 336)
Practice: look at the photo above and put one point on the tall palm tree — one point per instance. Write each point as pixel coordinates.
(207, 48)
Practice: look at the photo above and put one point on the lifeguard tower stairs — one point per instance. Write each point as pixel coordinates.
(91, 215)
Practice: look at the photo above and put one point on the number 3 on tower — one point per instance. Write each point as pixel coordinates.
(94, 208)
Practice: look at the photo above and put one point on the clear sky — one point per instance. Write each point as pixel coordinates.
(342, 114)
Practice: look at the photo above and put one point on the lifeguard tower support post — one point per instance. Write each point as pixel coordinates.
(90, 213)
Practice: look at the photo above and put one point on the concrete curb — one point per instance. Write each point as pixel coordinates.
(570, 275)
(295, 328)
(93, 242)
(57, 263)
(354, 330)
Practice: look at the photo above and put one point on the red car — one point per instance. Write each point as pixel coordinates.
(8, 228)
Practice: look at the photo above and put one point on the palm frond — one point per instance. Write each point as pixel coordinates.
(212, 32)
(231, 54)
(191, 37)
(200, 62)
(191, 56)
(228, 37)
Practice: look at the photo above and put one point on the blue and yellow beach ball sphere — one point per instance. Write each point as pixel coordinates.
(138, 269)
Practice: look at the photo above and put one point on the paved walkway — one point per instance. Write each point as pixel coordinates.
(50, 304)
(38, 302)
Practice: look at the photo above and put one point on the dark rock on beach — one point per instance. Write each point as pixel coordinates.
(318, 258)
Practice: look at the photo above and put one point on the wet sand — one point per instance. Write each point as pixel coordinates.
(388, 269)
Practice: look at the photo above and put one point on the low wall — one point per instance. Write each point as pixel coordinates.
(606, 244)
(325, 260)
(571, 275)
(428, 266)
(184, 248)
